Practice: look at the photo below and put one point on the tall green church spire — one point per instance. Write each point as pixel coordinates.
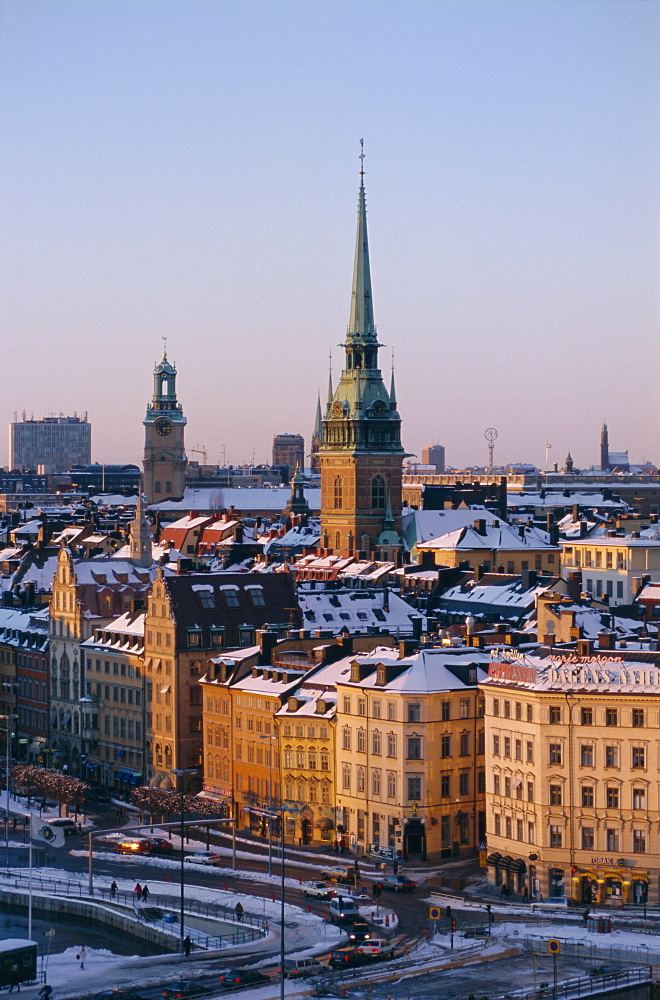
(362, 311)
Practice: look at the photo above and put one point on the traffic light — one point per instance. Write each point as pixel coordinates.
(377, 889)
(448, 912)
(454, 925)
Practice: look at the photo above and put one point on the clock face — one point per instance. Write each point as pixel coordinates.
(163, 427)
(379, 407)
(337, 409)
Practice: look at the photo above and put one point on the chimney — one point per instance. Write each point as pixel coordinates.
(583, 529)
(416, 621)
(478, 572)
(406, 648)
(606, 640)
(549, 521)
(267, 641)
(576, 512)
(480, 526)
(585, 647)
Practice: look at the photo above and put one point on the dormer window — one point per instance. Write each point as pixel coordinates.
(217, 637)
(292, 705)
(194, 637)
(246, 635)
(256, 593)
(355, 673)
(230, 592)
(381, 676)
(206, 600)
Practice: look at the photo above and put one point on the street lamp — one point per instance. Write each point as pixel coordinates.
(10, 719)
(271, 736)
(181, 774)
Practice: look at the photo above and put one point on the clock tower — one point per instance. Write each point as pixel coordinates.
(360, 453)
(164, 453)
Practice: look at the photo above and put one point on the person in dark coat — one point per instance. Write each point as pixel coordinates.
(187, 945)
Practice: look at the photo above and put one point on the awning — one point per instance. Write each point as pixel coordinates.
(494, 859)
(136, 779)
(38, 744)
(260, 812)
(121, 775)
(121, 753)
(518, 865)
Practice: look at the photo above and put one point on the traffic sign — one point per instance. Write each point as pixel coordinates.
(554, 946)
(434, 913)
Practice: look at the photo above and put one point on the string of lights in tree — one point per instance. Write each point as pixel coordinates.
(161, 802)
(48, 782)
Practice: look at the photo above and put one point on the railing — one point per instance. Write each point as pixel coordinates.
(583, 987)
(597, 951)
(253, 926)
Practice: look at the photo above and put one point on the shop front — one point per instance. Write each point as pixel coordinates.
(616, 886)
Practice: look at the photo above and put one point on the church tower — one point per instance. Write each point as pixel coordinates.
(604, 450)
(164, 453)
(140, 535)
(361, 454)
(317, 435)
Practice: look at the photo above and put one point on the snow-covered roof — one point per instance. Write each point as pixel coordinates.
(496, 591)
(497, 535)
(419, 526)
(308, 699)
(573, 673)
(355, 610)
(426, 671)
(242, 498)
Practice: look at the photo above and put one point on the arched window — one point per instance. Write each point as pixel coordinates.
(338, 540)
(378, 492)
(157, 486)
(339, 493)
(168, 487)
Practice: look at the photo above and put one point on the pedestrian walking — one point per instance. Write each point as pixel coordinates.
(138, 891)
(585, 916)
(113, 890)
(525, 893)
(238, 910)
(145, 893)
(187, 945)
(14, 979)
(82, 956)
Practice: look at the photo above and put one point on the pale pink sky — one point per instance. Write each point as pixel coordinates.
(189, 169)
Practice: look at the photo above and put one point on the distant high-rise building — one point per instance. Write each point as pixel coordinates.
(50, 445)
(604, 450)
(289, 449)
(434, 455)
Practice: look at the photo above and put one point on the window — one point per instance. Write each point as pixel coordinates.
(347, 705)
(496, 746)
(205, 598)
(414, 711)
(194, 637)
(361, 741)
(612, 839)
(346, 738)
(256, 596)
(391, 745)
(231, 596)
(464, 708)
(518, 711)
(507, 827)
(507, 709)
(464, 744)
(587, 716)
(638, 757)
(338, 493)
(375, 708)
(346, 777)
(588, 839)
(611, 717)
(555, 795)
(378, 492)
(619, 588)
(586, 755)
(414, 787)
(445, 746)
(556, 836)
(531, 833)
(496, 784)
(375, 781)
(496, 706)
(612, 798)
(507, 786)
(639, 842)
(464, 783)
(414, 748)
(498, 825)
(376, 743)
(507, 746)
(554, 750)
(554, 715)
(391, 785)
(587, 795)
(445, 711)
(518, 751)
(611, 756)
(530, 791)
(519, 829)
(360, 779)
(362, 706)
(530, 713)
(638, 798)
(445, 785)
(530, 752)
(638, 718)
(391, 711)
(481, 782)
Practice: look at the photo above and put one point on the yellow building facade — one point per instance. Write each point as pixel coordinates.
(572, 795)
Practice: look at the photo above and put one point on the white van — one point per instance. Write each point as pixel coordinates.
(343, 910)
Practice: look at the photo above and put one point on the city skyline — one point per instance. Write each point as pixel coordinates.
(195, 176)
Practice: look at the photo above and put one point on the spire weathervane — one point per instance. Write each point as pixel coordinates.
(164, 339)
(361, 158)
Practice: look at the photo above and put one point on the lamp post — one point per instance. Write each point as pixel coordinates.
(10, 719)
(181, 774)
(270, 736)
(13, 687)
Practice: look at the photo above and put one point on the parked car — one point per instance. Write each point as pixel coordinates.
(397, 883)
(377, 948)
(300, 968)
(345, 958)
(68, 827)
(606, 970)
(186, 988)
(317, 890)
(338, 873)
(203, 858)
(358, 931)
(118, 994)
(233, 979)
